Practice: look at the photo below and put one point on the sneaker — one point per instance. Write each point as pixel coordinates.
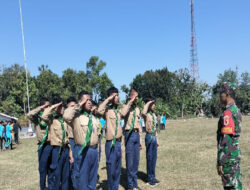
(156, 181)
(137, 188)
(151, 183)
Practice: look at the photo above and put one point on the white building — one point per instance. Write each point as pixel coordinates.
(4, 117)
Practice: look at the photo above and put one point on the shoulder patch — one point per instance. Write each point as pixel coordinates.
(228, 123)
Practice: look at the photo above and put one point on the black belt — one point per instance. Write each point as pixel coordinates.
(93, 146)
(45, 143)
(133, 130)
(118, 139)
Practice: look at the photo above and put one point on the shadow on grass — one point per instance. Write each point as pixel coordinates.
(123, 180)
(124, 183)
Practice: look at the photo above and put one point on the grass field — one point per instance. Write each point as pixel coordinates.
(186, 160)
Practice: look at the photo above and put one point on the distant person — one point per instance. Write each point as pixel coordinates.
(8, 137)
(163, 121)
(12, 131)
(228, 134)
(122, 123)
(142, 124)
(102, 128)
(16, 127)
(1, 135)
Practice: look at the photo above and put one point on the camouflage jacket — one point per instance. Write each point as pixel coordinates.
(228, 133)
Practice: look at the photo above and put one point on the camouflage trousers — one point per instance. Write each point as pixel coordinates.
(231, 178)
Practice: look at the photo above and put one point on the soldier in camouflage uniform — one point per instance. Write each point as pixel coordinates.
(229, 128)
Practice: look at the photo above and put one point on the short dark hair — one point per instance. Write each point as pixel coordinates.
(56, 100)
(43, 100)
(148, 99)
(132, 90)
(112, 90)
(71, 99)
(80, 95)
(94, 103)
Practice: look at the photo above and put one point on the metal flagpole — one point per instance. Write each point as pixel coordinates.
(25, 63)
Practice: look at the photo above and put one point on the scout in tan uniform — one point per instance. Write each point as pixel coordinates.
(85, 130)
(95, 113)
(151, 141)
(133, 132)
(112, 115)
(71, 102)
(61, 152)
(44, 151)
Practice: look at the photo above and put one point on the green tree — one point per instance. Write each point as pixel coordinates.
(242, 92)
(74, 82)
(49, 84)
(98, 81)
(13, 90)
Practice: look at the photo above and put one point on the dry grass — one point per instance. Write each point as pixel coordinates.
(186, 160)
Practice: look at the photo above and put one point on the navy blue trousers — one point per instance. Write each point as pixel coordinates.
(72, 181)
(44, 160)
(113, 164)
(86, 167)
(151, 155)
(59, 169)
(132, 144)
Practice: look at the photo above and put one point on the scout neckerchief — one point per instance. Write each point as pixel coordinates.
(116, 127)
(133, 119)
(100, 129)
(132, 124)
(89, 131)
(60, 119)
(153, 128)
(42, 126)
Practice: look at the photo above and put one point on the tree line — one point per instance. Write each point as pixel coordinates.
(177, 94)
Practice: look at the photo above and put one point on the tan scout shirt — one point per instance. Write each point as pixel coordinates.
(70, 131)
(55, 128)
(32, 115)
(149, 119)
(79, 123)
(70, 128)
(129, 118)
(110, 117)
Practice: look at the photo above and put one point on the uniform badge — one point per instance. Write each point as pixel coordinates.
(226, 120)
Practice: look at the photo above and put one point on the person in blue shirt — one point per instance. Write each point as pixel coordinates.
(142, 124)
(1, 135)
(163, 119)
(8, 137)
(103, 127)
(103, 123)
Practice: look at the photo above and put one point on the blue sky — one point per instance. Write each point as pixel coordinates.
(132, 36)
